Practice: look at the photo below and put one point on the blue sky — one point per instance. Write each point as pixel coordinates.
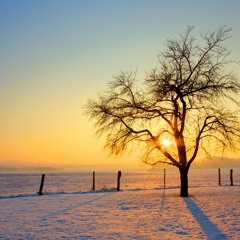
(57, 54)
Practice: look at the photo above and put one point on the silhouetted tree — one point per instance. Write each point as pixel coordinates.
(186, 100)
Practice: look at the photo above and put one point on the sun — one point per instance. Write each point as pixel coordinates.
(166, 142)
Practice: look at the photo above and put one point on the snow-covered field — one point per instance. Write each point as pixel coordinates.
(209, 213)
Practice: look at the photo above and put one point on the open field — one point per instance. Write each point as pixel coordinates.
(211, 212)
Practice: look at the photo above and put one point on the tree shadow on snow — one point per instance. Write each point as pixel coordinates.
(209, 228)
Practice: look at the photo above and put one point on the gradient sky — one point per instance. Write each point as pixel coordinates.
(55, 55)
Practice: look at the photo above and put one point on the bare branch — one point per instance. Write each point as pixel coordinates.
(184, 98)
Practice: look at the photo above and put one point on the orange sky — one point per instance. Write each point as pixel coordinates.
(55, 55)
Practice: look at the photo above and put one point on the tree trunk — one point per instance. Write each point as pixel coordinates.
(184, 181)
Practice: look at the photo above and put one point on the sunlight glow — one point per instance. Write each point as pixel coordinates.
(166, 142)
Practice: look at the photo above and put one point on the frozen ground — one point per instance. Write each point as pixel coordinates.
(209, 213)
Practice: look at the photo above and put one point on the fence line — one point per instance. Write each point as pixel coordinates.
(93, 186)
(118, 180)
(41, 185)
(231, 176)
(219, 176)
(120, 174)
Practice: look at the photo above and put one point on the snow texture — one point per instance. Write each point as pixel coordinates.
(209, 213)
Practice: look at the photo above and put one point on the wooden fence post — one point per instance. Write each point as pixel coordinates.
(93, 186)
(219, 176)
(118, 180)
(41, 185)
(164, 177)
(231, 176)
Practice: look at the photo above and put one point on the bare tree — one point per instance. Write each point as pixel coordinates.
(184, 101)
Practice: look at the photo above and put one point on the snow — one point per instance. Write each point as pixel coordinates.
(209, 213)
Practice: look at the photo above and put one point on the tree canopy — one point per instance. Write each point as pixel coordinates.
(186, 101)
